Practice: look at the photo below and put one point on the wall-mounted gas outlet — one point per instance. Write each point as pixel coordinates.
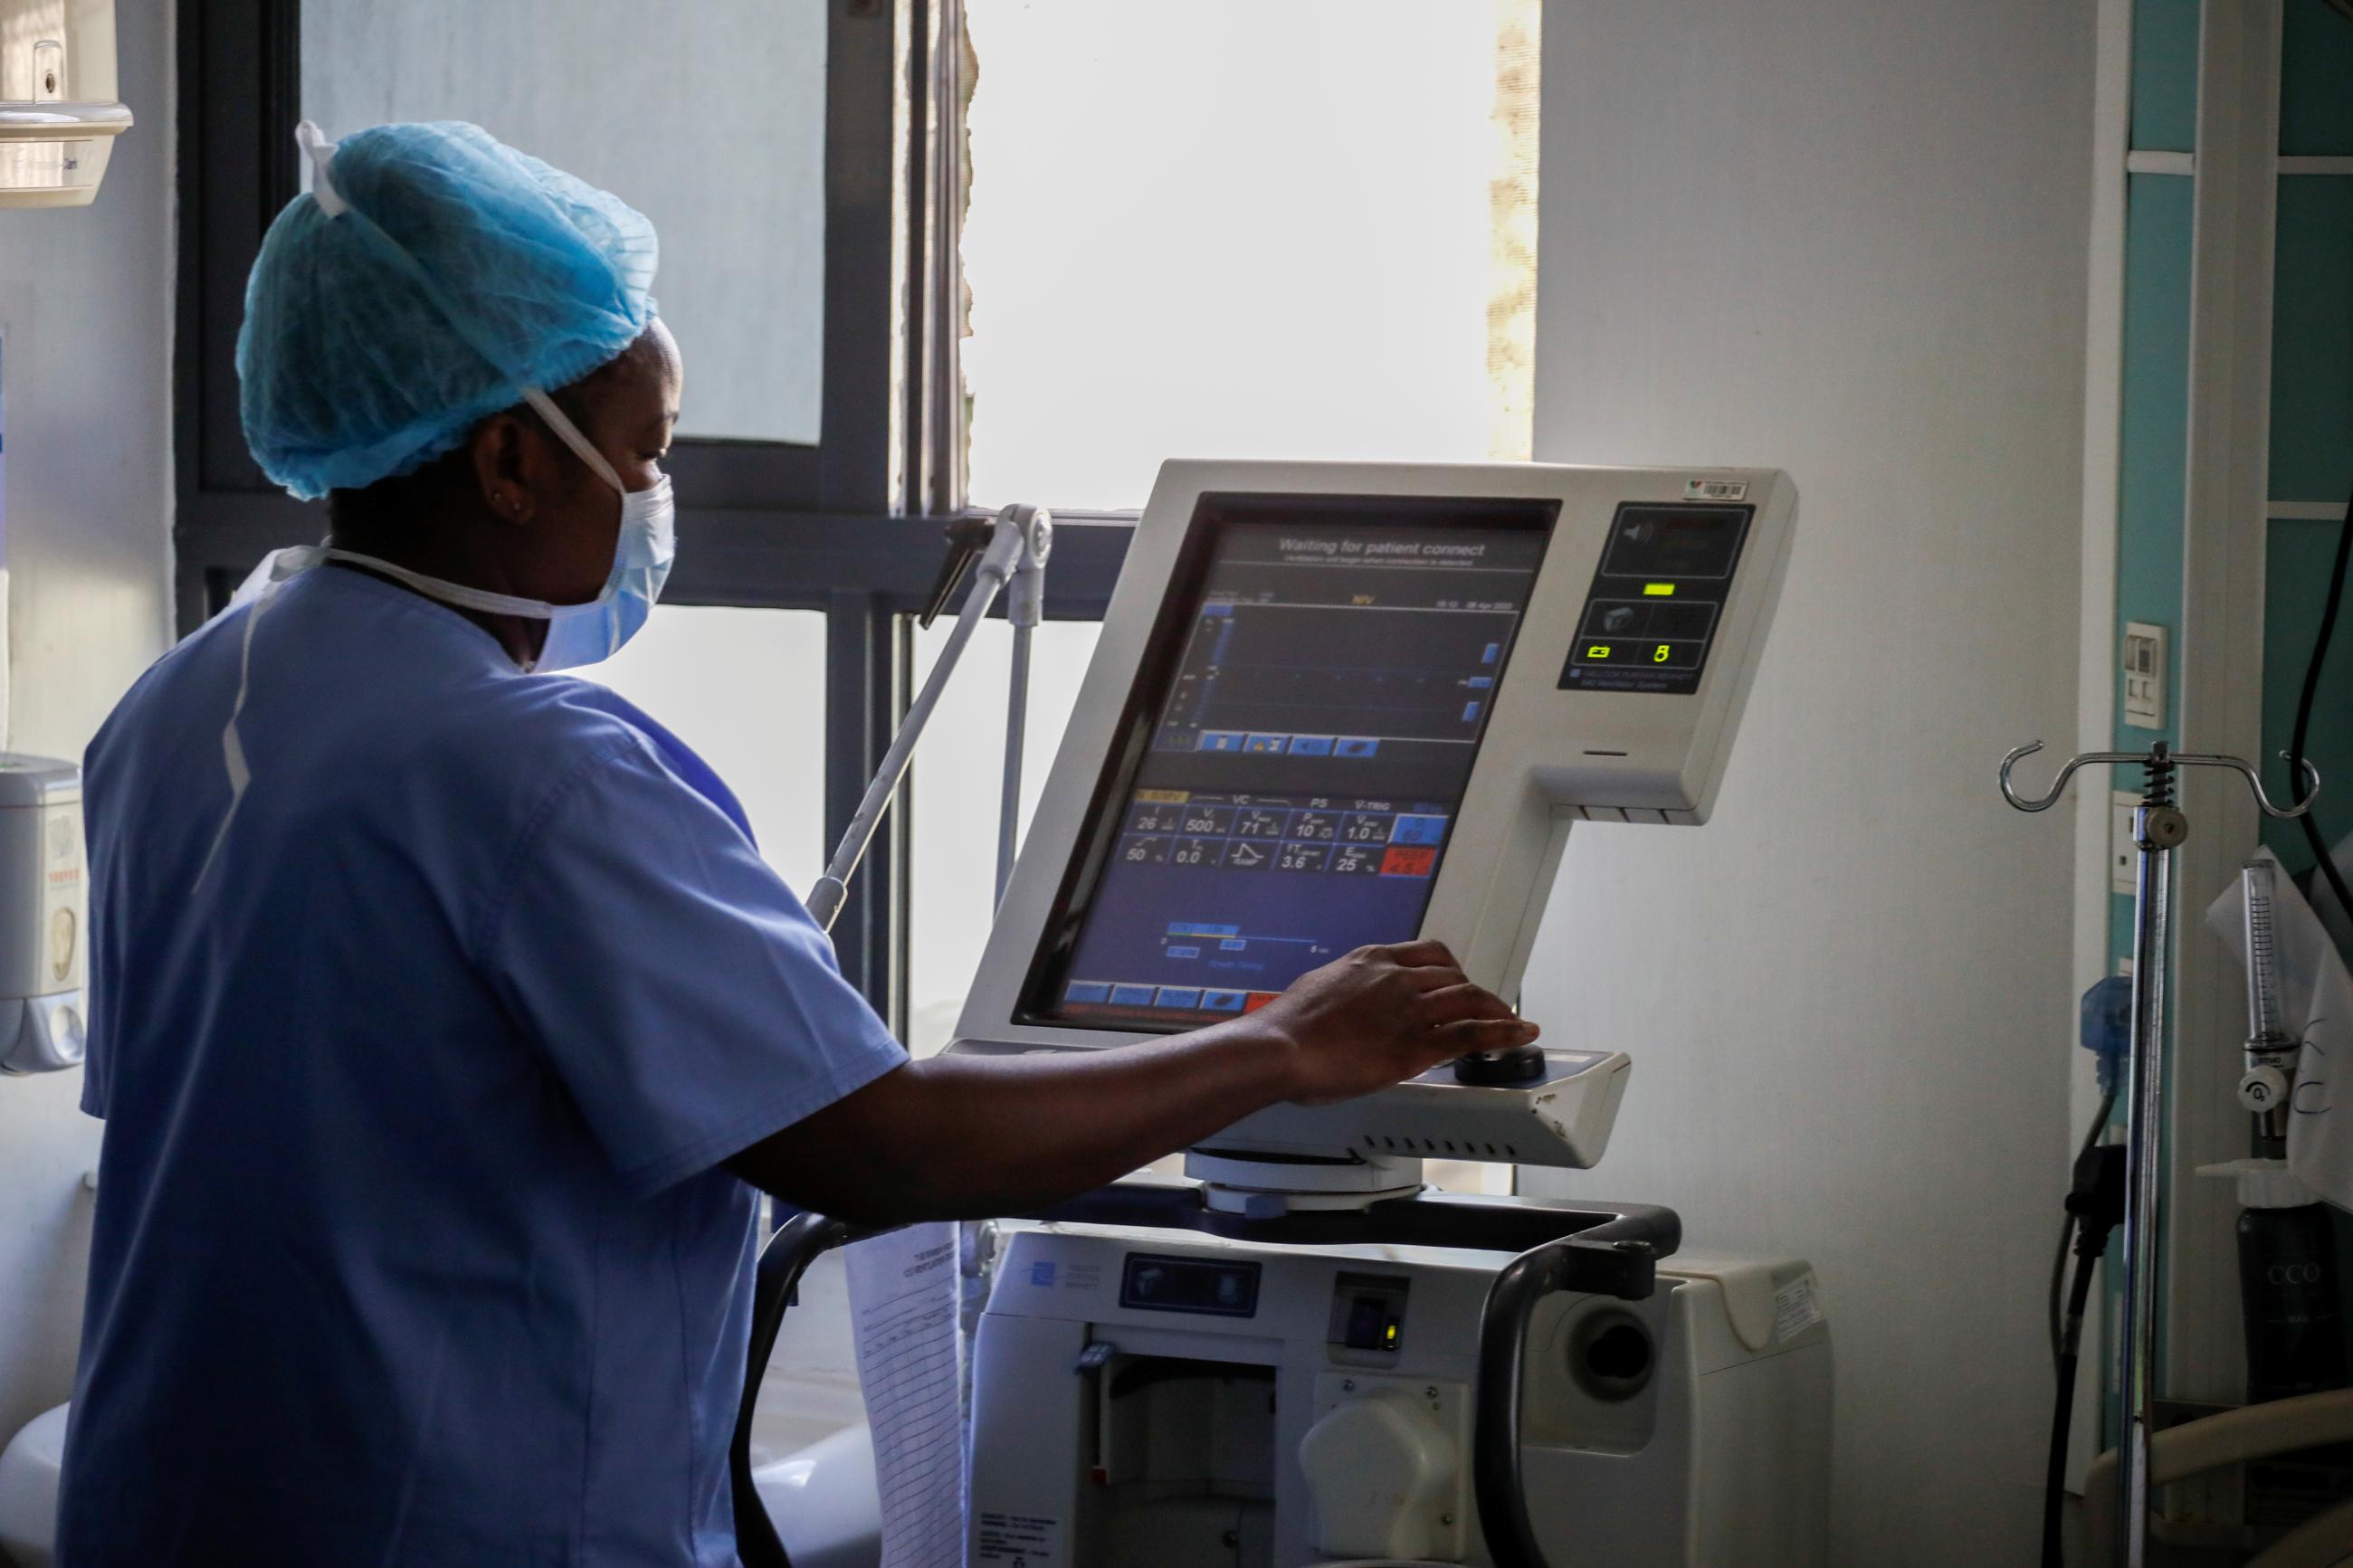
(2124, 853)
(2144, 667)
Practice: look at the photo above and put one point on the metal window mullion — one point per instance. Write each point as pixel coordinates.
(241, 67)
(863, 142)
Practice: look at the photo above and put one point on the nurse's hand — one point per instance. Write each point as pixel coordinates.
(1382, 1015)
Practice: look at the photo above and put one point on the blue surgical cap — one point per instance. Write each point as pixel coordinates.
(459, 272)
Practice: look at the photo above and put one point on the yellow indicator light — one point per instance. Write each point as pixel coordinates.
(1164, 797)
(1599, 650)
(1658, 590)
(1391, 1334)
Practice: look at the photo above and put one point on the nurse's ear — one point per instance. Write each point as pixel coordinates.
(519, 468)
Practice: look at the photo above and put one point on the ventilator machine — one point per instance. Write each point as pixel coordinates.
(1334, 704)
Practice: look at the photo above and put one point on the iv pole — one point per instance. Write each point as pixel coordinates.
(2159, 828)
(1012, 561)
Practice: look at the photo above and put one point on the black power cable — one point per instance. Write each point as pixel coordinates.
(2312, 834)
(2067, 1226)
(2096, 1203)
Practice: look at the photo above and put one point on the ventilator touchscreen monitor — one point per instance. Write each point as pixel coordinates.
(1287, 772)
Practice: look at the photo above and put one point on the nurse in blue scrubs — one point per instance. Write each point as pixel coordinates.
(445, 1021)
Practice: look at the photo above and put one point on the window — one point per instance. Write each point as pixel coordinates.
(771, 139)
(1233, 228)
(640, 101)
(955, 792)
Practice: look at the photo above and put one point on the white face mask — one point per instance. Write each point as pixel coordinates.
(576, 634)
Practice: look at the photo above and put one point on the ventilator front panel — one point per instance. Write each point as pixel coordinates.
(1650, 617)
(1290, 763)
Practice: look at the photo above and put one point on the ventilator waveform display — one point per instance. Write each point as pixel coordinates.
(1373, 671)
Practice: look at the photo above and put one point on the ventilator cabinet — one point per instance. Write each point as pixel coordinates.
(1163, 1395)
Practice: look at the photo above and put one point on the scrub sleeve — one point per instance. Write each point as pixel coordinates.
(688, 1000)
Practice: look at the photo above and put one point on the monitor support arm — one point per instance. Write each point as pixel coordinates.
(1010, 555)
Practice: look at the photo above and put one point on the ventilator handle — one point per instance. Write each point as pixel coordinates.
(1619, 1259)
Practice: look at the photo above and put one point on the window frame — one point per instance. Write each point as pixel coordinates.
(849, 527)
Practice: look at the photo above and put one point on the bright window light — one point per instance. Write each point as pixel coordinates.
(957, 783)
(1280, 229)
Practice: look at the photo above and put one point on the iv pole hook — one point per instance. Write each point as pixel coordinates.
(2183, 759)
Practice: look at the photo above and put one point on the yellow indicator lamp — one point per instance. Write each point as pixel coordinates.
(1390, 1333)
(1658, 590)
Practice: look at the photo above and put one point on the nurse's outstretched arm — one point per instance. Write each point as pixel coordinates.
(972, 1137)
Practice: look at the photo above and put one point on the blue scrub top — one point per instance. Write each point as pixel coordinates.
(411, 1243)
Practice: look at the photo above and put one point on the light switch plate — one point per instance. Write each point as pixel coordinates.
(2144, 665)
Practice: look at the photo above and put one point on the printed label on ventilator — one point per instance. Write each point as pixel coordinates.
(1018, 1541)
(1715, 489)
(1796, 1307)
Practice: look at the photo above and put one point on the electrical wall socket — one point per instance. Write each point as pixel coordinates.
(2145, 670)
(2124, 853)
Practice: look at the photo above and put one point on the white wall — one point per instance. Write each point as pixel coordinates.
(1847, 239)
(86, 354)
